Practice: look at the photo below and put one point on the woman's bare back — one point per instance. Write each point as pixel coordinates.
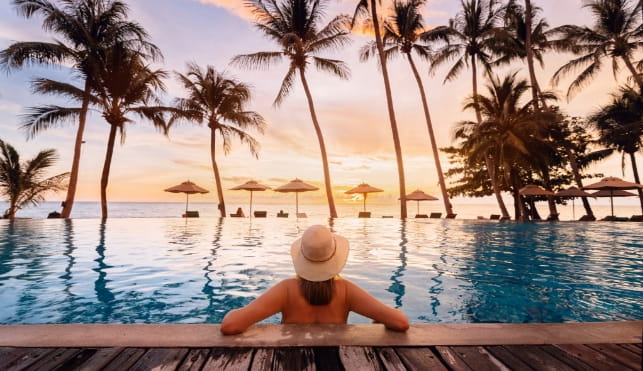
(298, 310)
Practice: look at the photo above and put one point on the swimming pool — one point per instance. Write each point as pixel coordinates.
(194, 271)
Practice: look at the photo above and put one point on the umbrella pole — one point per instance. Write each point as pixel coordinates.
(365, 194)
(250, 215)
(573, 210)
(612, 200)
(418, 207)
(297, 203)
(186, 203)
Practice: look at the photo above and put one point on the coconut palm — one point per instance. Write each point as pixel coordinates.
(296, 26)
(24, 183)
(616, 34)
(472, 39)
(220, 102)
(403, 34)
(620, 126)
(368, 9)
(86, 29)
(124, 85)
(510, 130)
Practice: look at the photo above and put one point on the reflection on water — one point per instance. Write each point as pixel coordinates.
(194, 271)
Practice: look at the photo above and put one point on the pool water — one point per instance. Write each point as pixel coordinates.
(436, 271)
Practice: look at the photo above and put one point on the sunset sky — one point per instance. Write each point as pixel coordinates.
(352, 113)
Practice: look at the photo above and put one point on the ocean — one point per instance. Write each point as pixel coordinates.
(464, 209)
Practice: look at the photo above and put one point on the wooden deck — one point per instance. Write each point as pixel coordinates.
(611, 357)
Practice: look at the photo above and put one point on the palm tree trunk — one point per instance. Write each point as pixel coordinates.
(391, 110)
(553, 212)
(434, 147)
(530, 54)
(489, 161)
(636, 177)
(215, 168)
(573, 162)
(104, 179)
(633, 71)
(75, 165)
(322, 146)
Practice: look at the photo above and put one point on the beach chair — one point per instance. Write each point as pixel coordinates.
(302, 215)
(387, 216)
(191, 214)
(435, 215)
(364, 214)
(451, 216)
(636, 218)
(421, 216)
(281, 214)
(260, 214)
(494, 216)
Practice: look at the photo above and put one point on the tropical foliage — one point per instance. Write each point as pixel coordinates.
(220, 102)
(24, 183)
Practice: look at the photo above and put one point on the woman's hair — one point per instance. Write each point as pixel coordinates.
(317, 293)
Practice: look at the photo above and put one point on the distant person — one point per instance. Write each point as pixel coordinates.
(240, 212)
(317, 294)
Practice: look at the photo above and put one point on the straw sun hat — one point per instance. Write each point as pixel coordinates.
(319, 255)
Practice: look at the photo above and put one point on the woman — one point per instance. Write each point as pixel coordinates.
(317, 294)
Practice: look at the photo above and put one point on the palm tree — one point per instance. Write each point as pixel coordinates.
(220, 101)
(472, 38)
(87, 28)
(620, 126)
(23, 183)
(124, 85)
(362, 10)
(512, 132)
(295, 26)
(403, 34)
(616, 34)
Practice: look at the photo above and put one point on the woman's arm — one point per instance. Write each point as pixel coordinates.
(272, 301)
(361, 302)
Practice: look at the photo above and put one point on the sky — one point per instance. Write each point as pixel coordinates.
(352, 113)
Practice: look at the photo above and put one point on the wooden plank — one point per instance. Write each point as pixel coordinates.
(327, 358)
(54, 359)
(194, 360)
(537, 358)
(263, 359)
(359, 358)
(99, 359)
(452, 359)
(125, 359)
(567, 358)
(160, 359)
(25, 358)
(478, 358)
(228, 359)
(620, 354)
(78, 359)
(390, 359)
(294, 359)
(590, 356)
(506, 357)
(419, 359)
(8, 355)
(632, 348)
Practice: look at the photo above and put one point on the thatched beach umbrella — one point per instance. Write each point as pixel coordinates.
(572, 192)
(418, 196)
(612, 184)
(296, 186)
(534, 190)
(364, 189)
(251, 185)
(188, 188)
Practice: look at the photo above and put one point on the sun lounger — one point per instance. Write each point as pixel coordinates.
(302, 215)
(387, 216)
(421, 216)
(451, 216)
(636, 218)
(282, 215)
(191, 214)
(260, 214)
(494, 217)
(587, 218)
(435, 215)
(364, 214)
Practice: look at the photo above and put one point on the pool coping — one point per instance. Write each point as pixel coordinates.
(208, 335)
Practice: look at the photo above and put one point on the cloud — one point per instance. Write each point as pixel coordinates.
(235, 7)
